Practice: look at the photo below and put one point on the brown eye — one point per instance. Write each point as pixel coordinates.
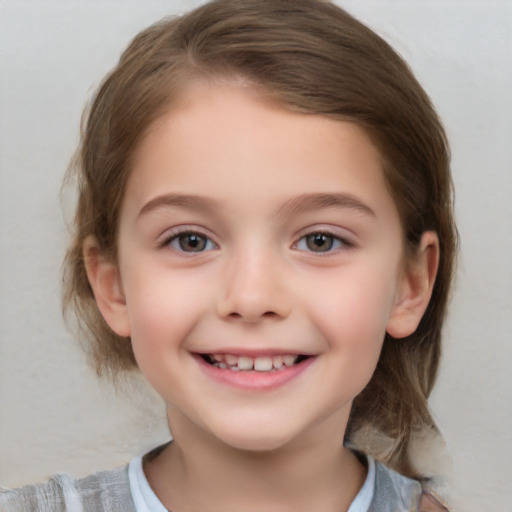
(191, 242)
(320, 242)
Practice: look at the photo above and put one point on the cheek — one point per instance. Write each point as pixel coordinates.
(162, 317)
(353, 326)
(163, 307)
(354, 311)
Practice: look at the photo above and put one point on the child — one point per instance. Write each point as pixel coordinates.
(265, 229)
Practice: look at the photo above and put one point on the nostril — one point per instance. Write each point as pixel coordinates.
(236, 316)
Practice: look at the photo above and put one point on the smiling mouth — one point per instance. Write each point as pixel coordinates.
(256, 364)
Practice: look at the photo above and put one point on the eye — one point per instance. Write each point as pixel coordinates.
(190, 241)
(320, 242)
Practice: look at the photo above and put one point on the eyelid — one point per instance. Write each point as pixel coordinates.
(172, 233)
(347, 238)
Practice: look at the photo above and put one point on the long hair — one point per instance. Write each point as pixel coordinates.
(311, 57)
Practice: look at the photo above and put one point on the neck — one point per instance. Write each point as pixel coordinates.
(200, 472)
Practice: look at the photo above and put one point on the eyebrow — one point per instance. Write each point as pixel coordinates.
(188, 202)
(295, 205)
(319, 201)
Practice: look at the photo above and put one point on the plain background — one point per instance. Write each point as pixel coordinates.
(56, 416)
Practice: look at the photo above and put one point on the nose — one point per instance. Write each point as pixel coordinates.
(254, 290)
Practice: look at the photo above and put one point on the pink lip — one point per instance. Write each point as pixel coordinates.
(253, 380)
(254, 352)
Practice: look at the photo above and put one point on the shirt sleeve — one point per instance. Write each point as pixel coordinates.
(107, 491)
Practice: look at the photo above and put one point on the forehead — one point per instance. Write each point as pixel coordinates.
(231, 142)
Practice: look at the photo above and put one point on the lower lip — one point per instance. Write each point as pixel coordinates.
(253, 380)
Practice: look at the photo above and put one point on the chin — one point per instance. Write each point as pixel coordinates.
(255, 439)
(259, 445)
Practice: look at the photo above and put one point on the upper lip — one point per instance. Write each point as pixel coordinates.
(254, 352)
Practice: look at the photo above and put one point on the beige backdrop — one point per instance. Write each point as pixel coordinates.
(55, 415)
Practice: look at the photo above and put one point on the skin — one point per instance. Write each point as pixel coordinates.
(248, 169)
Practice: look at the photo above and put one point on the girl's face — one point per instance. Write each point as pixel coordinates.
(260, 264)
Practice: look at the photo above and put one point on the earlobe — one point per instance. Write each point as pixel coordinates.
(107, 288)
(415, 288)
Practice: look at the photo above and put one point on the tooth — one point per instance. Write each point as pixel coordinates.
(245, 363)
(218, 357)
(277, 362)
(230, 359)
(263, 364)
(223, 365)
(289, 360)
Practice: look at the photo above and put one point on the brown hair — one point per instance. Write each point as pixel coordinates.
(312, 57)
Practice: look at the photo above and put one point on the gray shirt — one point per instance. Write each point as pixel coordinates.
(109, 491)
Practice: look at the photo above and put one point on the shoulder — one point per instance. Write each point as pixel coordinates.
(394, 490)
(105, 491)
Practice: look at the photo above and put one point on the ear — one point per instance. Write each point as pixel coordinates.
(415, 287)
(106, 285)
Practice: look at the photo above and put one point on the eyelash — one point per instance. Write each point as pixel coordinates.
(205, 243)
(176, 238)
(336, 242)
